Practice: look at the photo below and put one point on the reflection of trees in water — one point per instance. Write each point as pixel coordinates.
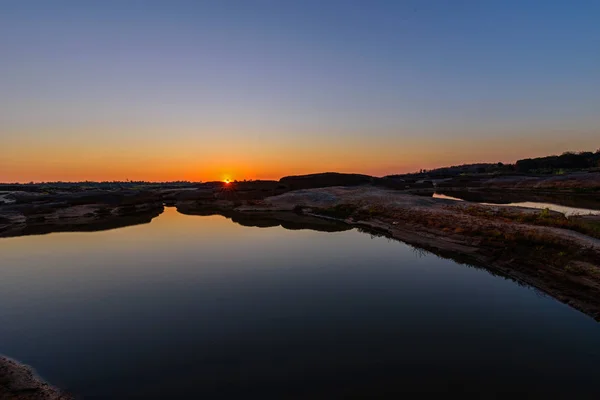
(422, 251)
(418, 252)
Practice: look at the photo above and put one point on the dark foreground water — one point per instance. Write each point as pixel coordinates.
(199, 307)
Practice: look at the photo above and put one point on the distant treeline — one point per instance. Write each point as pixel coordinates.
(455, 170)
(106, 183)
(90, 185)
(568, 160)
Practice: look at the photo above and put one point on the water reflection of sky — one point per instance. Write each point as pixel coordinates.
(190, 304)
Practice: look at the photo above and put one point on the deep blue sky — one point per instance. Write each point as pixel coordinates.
(292, 86)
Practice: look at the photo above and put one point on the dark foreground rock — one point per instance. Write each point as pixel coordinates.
(19, 382)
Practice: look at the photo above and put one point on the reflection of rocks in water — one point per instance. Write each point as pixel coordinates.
(268, 219)
(100, 220)
(93, 210)
(506, 197)
(289, 221)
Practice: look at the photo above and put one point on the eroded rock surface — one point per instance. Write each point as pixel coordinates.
(19, 382)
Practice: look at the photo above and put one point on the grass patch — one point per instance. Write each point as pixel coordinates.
(542, 218)
(575, 269)
(341, 211)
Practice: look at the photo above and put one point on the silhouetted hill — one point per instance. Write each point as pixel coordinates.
(455, 170)
(324, 180)
(566, 161)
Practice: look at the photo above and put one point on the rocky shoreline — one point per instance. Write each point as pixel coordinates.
(31, 214)
(20, 382)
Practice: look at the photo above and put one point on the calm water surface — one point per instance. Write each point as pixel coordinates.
(199, 307)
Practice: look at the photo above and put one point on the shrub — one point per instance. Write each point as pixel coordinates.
(575, 269)
(341, 211)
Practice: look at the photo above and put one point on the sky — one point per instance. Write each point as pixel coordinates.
(249, 89)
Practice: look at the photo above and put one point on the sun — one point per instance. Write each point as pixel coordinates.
(226, 181)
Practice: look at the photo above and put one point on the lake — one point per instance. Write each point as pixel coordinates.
(201, 307)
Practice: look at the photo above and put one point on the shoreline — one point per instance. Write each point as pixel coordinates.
(522, 244)
(20, 382)
(523, 273)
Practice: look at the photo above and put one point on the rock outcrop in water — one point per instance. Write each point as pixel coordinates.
(19, 382)
(84, 211)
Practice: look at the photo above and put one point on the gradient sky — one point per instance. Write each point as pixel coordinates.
(204, 90)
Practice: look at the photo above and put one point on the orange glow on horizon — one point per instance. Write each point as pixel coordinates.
(158, 160)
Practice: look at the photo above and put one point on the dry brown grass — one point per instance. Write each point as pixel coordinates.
(542, 218)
